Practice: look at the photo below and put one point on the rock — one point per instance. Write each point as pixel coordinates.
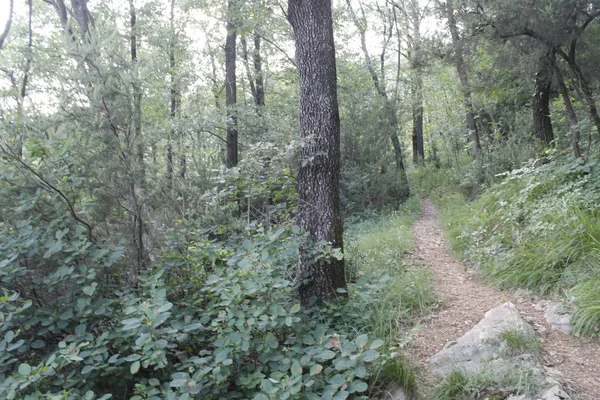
(479, 345)
(556, 315)
(555, 393)
(481, 350)
(394, 393)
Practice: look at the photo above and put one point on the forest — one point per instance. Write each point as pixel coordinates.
(205, 199)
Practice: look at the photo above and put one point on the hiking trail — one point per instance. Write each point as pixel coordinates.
(465, 298)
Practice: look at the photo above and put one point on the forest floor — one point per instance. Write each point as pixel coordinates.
(465, 298)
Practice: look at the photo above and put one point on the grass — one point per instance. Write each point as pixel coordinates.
(385, 295)
(459, 385)
(375, 249)
(538, 229)
(519, 342)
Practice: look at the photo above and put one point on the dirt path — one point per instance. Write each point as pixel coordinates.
(465, 299)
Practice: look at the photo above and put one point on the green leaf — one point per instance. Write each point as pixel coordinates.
(341, 395)
(134, 368)
(344, 363)
(9, 336)
(89, 290)
(325, 355)
(54, 248)
(165, 307)
(25, 369)
(296, 368)
(316, 369)
(358, 386)
(376, 344)
(295, 308)
(178, 383)
(370, 355)
(361, 341)
(338, 380)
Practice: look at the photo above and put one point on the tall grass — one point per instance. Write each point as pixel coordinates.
(539, 229)
(391, 293)
(375, 249)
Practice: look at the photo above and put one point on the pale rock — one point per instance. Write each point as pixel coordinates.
(480, 344)
(556, 315)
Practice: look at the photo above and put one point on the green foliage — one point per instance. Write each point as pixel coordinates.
(538, 228)
(385, 294)
(519, 342)
(371, 189)
(492, 385)
(239, 333)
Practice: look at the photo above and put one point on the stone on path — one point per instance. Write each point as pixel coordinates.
(556, 315)
(481, 343)
(481, 349)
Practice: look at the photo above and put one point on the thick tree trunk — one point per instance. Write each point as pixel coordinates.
(231, 159)
(319, 174)
(461, 69)
(575, 134)
(542, 124)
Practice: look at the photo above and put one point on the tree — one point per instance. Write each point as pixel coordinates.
(379, 83)
(540, 107)
(461, 68)
(6, 30)
(556, 27)
(231, 159)
(319, 174)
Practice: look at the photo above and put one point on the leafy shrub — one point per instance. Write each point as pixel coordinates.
(364, 189)
(235, 330)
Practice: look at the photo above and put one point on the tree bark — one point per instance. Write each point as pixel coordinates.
(231, 159)
(260, 85)
(318, 178)
(542, 123)
(417, 92)
(175, 95)
(461, 69)
(587, 91)
(6, 30)
(575, 134)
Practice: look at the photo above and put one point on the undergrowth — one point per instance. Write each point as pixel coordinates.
(395, 294)
(539, 228)
(486, 384)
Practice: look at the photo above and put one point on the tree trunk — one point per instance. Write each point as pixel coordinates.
(461, 69)
(231, 159)
(319, 174)
(260, 86)
(587, 92)
(6, 30)
(575, 134)
(417, 91)
(174, 97)
(542, 124)
(417, 112)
